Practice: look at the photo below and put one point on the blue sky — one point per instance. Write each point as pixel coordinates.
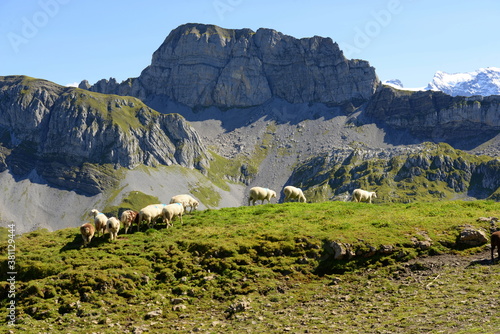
(66, 41)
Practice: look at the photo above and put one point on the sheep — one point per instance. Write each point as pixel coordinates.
(292, 192)
(87, 230)
(100, 220)
(171, 211)
(113, 226)
(128, 217)
(259, 193)
(150, 213)
(186, 201)
(360, 195)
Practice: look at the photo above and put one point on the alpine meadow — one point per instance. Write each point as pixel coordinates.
(392, 196)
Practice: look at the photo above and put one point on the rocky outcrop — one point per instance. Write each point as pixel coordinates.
(110, 86)
(67, 136)
(433, 115)
(205, 65)
(471, 237)
(420, 172)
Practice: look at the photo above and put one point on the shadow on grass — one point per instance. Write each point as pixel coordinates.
(77, 242)
(483, 262)
(97, 241)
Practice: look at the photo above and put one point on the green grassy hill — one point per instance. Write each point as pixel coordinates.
(267, 268)
(433, 172)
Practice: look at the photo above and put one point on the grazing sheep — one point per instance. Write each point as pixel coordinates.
(292, 193)
(100, 220)
(171, 211)
(87, 230)
(113, 226)
(360, 195)
(259, 193)
(495, 242)
(128, 217)
(150, 213)
(186, 201)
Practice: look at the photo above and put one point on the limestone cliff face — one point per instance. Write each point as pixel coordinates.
(205, 65)
(62, 135)
(435, 115)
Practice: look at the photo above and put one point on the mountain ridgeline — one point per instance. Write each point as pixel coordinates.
(465, 122)
(204, 65)
(73, 139)
(485, 82)
(221, 110)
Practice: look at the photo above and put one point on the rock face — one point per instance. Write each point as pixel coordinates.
(426, 171)
(73, 138)
(205, 65)
(436, 116)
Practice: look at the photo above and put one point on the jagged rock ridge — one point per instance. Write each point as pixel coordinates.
(59, 132)
(435, 116)
(208, 66)
(205, 65)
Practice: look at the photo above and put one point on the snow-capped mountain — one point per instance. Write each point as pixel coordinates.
(396, 83)
(485, 81)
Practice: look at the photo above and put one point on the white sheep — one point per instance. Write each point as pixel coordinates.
(360, 195)
(100, 221)
(292, 193)
(259, 193)
(186, 201)
(113, 226)
(150, 213)
(127, 218)
(171, 211)
(87, 230)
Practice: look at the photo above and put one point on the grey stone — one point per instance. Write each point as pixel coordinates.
(205, 65)
(66, 136)
(471, 236)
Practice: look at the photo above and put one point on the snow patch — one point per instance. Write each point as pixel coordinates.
(485, 82)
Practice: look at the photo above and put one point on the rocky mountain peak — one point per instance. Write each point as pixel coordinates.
(205, 65)
(36, 116)
(485, 82)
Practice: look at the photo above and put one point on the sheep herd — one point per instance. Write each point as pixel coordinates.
(179, 203)
(177, 207)
(149, 214)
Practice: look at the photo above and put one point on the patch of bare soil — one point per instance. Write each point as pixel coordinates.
(436, 262)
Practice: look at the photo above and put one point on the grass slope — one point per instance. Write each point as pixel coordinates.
(266, 268)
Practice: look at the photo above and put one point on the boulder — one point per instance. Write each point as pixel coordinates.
(471, 236)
